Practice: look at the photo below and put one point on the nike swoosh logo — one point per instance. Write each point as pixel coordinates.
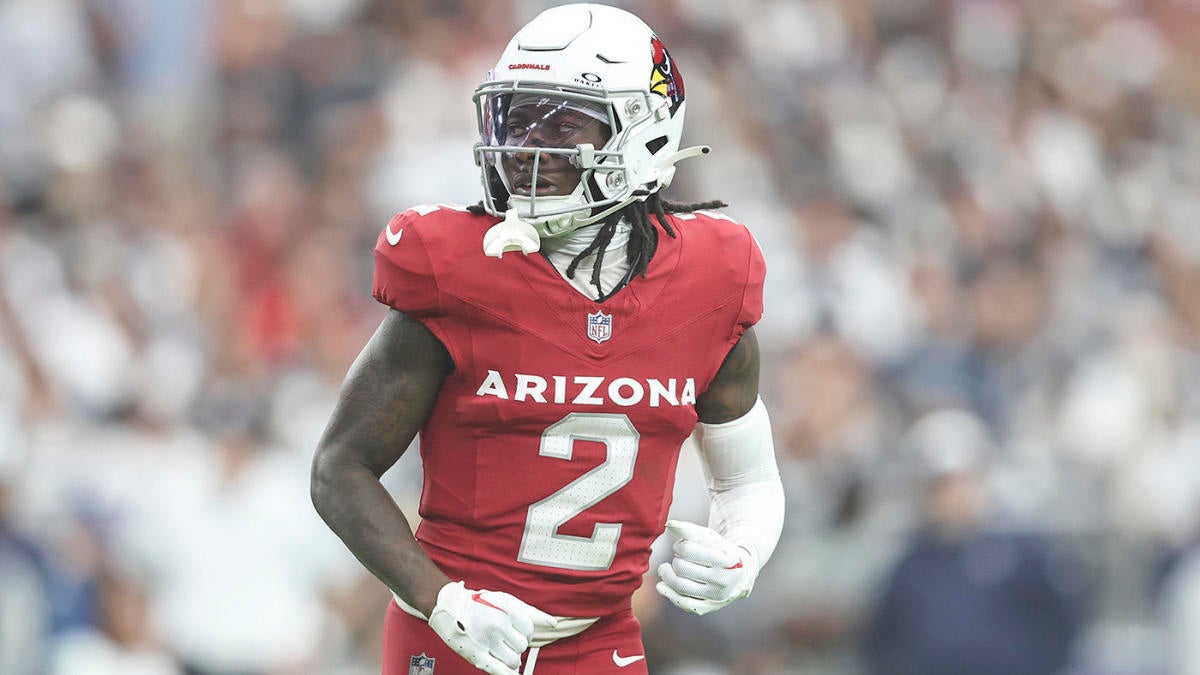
(393, 238)
(478, 597)
(623, 661)
(738, 566)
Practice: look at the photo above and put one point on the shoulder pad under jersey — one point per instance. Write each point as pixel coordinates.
(732, 248)
(409, 251)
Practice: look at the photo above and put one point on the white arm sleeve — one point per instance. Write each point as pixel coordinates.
(746, 494)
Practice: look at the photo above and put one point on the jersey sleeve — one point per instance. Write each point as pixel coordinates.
(404, 275)
(752, 295)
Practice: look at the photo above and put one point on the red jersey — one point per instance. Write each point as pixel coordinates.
(550, 454)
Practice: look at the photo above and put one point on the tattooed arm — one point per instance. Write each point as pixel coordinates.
(385, 399)
(734, 390)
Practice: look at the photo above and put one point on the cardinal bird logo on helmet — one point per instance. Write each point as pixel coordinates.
(665, 79)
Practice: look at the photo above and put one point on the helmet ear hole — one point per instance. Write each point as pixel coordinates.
(656, 144)
(593, 188)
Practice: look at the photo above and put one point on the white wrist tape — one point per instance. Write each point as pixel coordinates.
(747, 503)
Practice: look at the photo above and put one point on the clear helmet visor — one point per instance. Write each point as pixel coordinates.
(532, 139)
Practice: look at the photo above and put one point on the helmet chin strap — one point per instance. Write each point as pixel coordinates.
(518, 235)
(668, 162)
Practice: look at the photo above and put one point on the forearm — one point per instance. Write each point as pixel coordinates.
(750, 516)
(747, 499)
(388, 394)
(355, 505)
(718, 564)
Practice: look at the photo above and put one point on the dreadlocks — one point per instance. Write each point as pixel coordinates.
(643, 237)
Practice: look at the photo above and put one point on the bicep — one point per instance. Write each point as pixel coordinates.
(734, 389)
(387, 395)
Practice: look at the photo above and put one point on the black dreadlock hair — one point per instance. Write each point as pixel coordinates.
(643, 238)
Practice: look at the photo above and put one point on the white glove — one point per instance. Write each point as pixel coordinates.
(708, 571)
(487, 628)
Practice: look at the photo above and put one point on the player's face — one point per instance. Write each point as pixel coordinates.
(548, 125)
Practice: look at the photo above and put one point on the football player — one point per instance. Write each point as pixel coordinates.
(554, 346)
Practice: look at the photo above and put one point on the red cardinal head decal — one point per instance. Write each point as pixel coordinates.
(665, 79)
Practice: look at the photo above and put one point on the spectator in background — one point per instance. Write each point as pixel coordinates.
(967, 597)
(240, 577)
(1181, 615)
(24, 605)
(122, 642)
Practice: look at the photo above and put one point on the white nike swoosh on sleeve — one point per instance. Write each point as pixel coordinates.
(393, 238)
(623, 661)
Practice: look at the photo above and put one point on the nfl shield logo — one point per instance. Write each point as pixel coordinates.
(599, 326)
(421, 665)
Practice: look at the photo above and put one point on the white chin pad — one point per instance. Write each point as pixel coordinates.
(511, 234)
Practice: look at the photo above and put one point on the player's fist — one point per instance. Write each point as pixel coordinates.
(708, 571)
(487, 628)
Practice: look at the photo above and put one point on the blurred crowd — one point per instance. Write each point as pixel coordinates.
(981, 344)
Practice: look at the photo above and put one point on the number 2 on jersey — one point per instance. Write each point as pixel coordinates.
(541, 544)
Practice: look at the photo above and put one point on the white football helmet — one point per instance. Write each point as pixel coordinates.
(593, 63)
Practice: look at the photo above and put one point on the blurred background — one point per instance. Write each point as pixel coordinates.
(981, 345)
